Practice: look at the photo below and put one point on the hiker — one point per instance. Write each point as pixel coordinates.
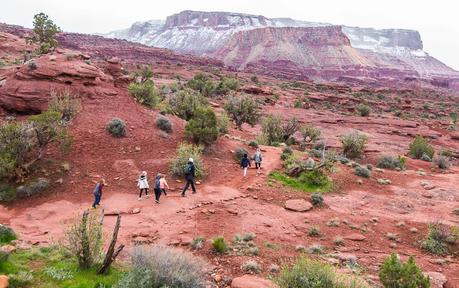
(142, 183)
(245, 164)
(163, 184)
(157, 188)
(190, 171)
(257, 158)
(98, 192)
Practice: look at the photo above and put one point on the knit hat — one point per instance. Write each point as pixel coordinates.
(190, 160)
(144, 173)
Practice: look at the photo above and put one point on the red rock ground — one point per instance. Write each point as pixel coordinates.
(226, 204)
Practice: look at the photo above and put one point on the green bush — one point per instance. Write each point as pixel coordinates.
(242, 110)
(362, 171)
(223, 123)
(164, 124)
(354, 144)
(287, 152)
(390, 162)
(363, 110)
(198, 243)
(203, 84)
(32, 188)
(143, 74)
(306, 273)
(64, 104)
(310, 132)
(6, 234)
(396, 274)
(436, 241)
(116, 127)
(274, 130)
(253, 144)
(314, 231)
(227, 85)
(441, 162)
(314, 177)
(163, 267)
(184, 103)
(202, 128)
(420, 146)
(317, 199)
(7, 192)
(239, 153)
(44, 33)
(180, 160)
(251, 266)
(145, 93)
(219, 244)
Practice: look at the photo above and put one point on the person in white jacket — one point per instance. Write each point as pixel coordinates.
(142, 183)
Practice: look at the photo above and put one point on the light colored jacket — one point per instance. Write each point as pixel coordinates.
(163, 183)
(257, 157)
(142, 183)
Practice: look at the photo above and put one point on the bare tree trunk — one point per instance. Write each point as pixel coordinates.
(111, 253)
(84, 259)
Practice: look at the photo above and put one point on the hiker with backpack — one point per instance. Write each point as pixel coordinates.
(163, 184)
(142, 183)
(98, 192)
(257, 158)
(190, 172)
(157, 188)
(245, 164)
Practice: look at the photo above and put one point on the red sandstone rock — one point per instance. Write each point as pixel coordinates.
(248, 281)
(298, 205)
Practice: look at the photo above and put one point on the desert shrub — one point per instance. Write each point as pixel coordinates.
(248, 236)
(274, 130)
(223, 123)
(44, 33)
(180, 160)
(145, 93)
(3, 257)
(251, 266)
(84, 238)
(310, 132)
(254, 79)
(198, 243)
(436, 240)
(396, 274)
(6, 234)
(226, 85)
(362, 171)
(445, 152)
(239, 153)
(116, 127)
(253, 144)
(32, 188)
(143, 74)
(242, 110)
(219, 244)
(7, 192)
(164, 124)
(338, 241)
(286, 153)
(184, 103)
(420, 146)
(59, 274)
(363, 110)
(314, 231)
(21, 279)
(317, 199)
(315, 249)
(390, 162)
(314, 177)
(202, 128)
(163, 267)
(306, 273)
(203, 84)
(64, 104)
(441, 162)
(354, 144)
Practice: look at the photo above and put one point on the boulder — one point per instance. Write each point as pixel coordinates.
(8, 249)
(4, 281)
(437, 280)
(455, 136)
(249, 281)
(355, 237)
(298, 205)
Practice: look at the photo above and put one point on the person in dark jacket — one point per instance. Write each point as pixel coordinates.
(98, 192)
(190, 172)
(245, 164)
(158, 188)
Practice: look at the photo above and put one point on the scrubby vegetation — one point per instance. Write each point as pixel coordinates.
(163, 267)
(219, 244)
(441, 162)
(116, 127)
(354, 144)
(6, 234)
(439, 238)
(299, 185)
(394, 273)
(363, 110)
(317, 199)
(275, 130)
(164, 124)
(202, 128)
(185, 103)
(145, 93)
(419, 147)
(65, 104)
(315, 274)
(223, 122)
(242, 110)
(180, 159)
(198, 243)
(44, 33)
(310, 133)
(391, 162)
(239, 153)
(362, 171)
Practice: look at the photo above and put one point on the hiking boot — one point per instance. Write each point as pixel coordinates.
(183, 195)
(139, 199)
(194, 192)
(148, 196)
(157, 202)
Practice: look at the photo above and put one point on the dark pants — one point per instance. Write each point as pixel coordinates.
(257, 165)
(189, 181)
(157, 194)
(96, 200)
(141, 190)
(164, 191)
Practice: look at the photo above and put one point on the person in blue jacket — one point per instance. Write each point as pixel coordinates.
(245, 164)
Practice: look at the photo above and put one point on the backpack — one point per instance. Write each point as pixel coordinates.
(187, 169)
(158, 183)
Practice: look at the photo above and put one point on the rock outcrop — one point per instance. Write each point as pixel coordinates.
(249, 281)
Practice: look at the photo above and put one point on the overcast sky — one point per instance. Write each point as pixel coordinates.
(437, 21)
